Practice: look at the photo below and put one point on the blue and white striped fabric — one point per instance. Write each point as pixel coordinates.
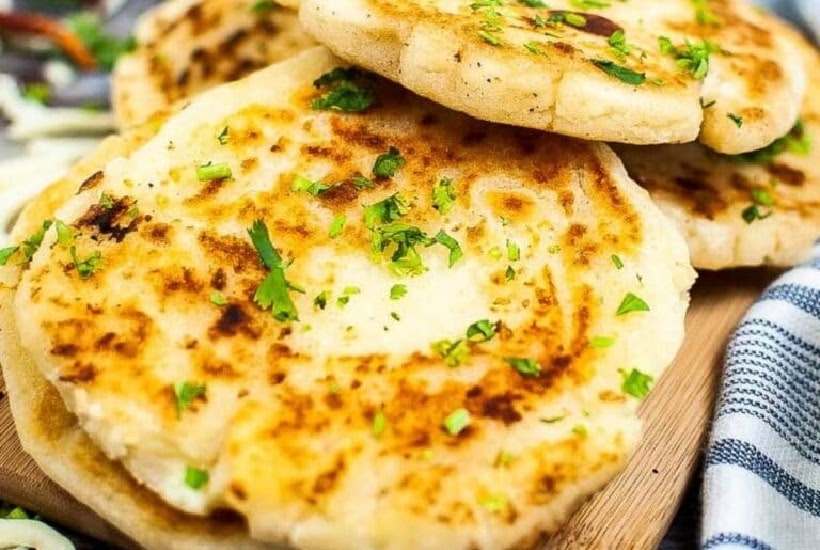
(762, 483)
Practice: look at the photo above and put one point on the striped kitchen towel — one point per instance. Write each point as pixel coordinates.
(762, 483)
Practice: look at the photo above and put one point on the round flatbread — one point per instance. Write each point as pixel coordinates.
(187, 46)
(633, 72)
(760, 208)
(434, 328)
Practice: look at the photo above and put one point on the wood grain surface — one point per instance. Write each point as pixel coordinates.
(632, 512)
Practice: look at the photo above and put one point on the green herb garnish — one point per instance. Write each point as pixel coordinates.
(273, 292)
(624, 74)
(345, 93)
(454, 353)
(213, 171)
(337, 226)
(600, 342)
(398, 291)
(691, 57)
(631, 303)
(222, 138)
(303, 183)
(196, 479)
(444, 195)
(218, 299)
(526, 367)
(85, 268)
(457, 421)
(737, 119)
(379, 424)
(481, 331)
(388, 163)
(185, 393)
(761, 198)
(450, 244)
(635, 383)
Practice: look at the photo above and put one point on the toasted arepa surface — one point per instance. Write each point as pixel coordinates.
(187, 46)
(759, 208)
(395, 328)
(595, 70)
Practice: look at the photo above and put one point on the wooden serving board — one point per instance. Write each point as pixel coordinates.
(633, 512)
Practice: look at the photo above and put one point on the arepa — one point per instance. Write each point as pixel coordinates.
(636, 72)
(759, 208)
(187, 46)
(356, 318)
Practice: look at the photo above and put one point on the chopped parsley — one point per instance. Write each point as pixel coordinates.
(481, 331)
(387, 211)
(196, 479)
(553, 419)
(213, 171)
(444, 195)
(388, 163)
(303, 183)
(273, 292)
(218, 299)
(185, 393)
(28, 247)
(601, 342)
(450, 244)
(533, 3)
(457, 421)
(106, 201)
(533, 47)
(379, 424)
(491, 25)
(624, 74)
(321, 299)
(616, 261)
(264, 6)
(65, 235)
(405, 259)
(513, 251)
(706, 104)
(86, 268)
(761, 198)
(556, 19)
(589, 4)
(347, 292)
(797, 141)
(618, 45)
(398, 292)
(346, 93)
(222, 138)
(635, 383)
(580, 430)
(631, 303)
(691, 57)
(337, 226)
(525, 367)
(7, 253)
(360, 182)
(454, 353)
(703, 14)
(737, 119)
(494, 503)
(509, 274)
